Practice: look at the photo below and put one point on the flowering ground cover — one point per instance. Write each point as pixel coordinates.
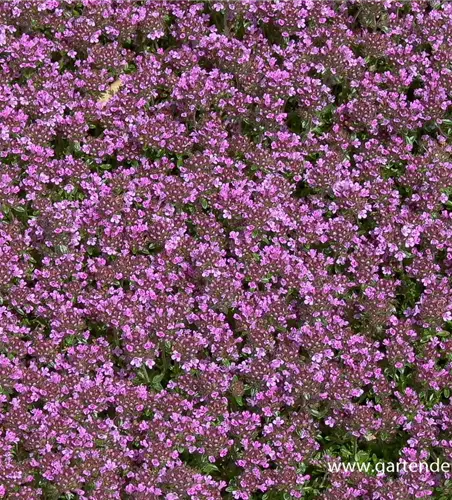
(225, 249)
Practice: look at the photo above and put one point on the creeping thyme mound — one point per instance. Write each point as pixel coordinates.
(225, 249)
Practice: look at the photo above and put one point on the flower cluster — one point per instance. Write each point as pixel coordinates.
(225, 248)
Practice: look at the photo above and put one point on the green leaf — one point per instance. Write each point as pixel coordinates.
(208, 468)
(156, 382)
(62, 249)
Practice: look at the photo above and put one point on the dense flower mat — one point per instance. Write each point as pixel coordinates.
(226, 249)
